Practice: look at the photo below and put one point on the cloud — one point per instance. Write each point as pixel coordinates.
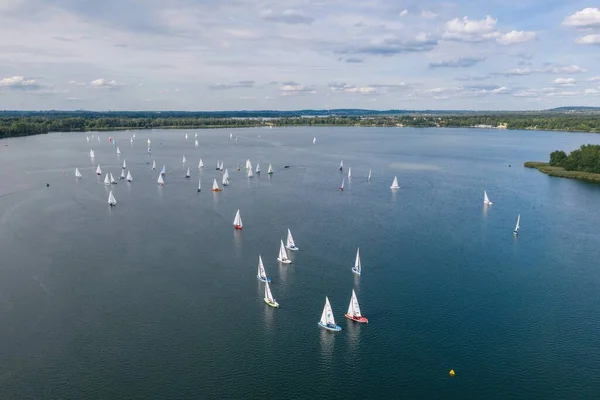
(564, 81)
(515, 37)
(289, 16)
(586, 18)
(362, 90)
(457, 63)
(403, 13)
(428, 14)
(518, 72)
(353, 60)
(591, 92)
(563, 69)
(593, 79)
(19, 83)
(238, 84)
(465, 30)
(291, 88)
(588, 39)
(390, 47)
(102, 83)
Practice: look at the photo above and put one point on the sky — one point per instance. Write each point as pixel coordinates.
(298, 54)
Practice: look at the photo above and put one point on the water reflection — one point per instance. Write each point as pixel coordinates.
(237, 241)
(268, 314)
(283, 272)
(327, 341)
(485, 210)
(215, 196)
(394, 193)
(160, 191)
(356, 281)
(352, 334)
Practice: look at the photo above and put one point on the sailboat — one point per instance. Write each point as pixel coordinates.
(77, 174)
(516, 231)
(269, 299)
(225, 180)
(230, 136)
(87, 138)
(111, 199)
(486, 199)
(112, 179)
(107, 179)
(369, 176)
(257, 168)
(349, 173)
(341, 189)
(250, 173)
(283, 258)
(129, 177)
(187, 174)
(124, 164)
(248, 164)
(218, 165)
(357, 269)
(183, 160)
(314, 140)
(122, 174)
(195, 135)
(196, 144)
(341, 165)
(149, 150)
(262, 275)
(354, 310)
(215, 187)
(221, 167)
(163, 170)
(290, 242)
(98, 170)
(148, 141)
(131, 140)
(327, 321)
(160, 180)
(186, 136)
(199, 185)
(237, 221)
(395, 184)
(200, 164)
(92, 155)
(118, 151)
(270, 170)
(153, 165)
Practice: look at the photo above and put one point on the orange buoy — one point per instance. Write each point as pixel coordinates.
(452, 373)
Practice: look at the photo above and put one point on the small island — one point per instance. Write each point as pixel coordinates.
(582, 164)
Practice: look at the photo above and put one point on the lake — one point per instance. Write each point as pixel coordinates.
(157, 298)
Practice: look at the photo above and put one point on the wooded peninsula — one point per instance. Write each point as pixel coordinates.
(24, 123)
(583, 163)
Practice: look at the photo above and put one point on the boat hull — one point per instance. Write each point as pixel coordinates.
(488, 203)
(284, 261)
(294, 248)
(354, 270)
(271, 303)
(238, 227)
(361, 319)
(262, 279)
(337, 328)
(216, 190)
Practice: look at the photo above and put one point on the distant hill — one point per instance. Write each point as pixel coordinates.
(574, 109)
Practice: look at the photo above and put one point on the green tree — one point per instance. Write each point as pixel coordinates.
(557, 157)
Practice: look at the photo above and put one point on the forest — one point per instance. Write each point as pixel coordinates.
(584, 159)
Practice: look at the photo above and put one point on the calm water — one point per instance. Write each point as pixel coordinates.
(158, 299)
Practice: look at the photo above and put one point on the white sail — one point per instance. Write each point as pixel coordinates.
(149, 150)
(237, 221)
(92, 155)
(187, 174)
(199, 185)
(131, 140)
(270, 170)
(357, 264)
(314, 140)
(268, 294)
(148, 141)
(283, 254)
(195, 135)
(250, 173)
(248, 164)
(261, 269)
(257, 168)
(342, 186)
(111, 199)
(353, 307)
(200, 164)
(160, 180)
(98, 170)
(122, 174)
(153, 165)
(341, 165)
(134, 136)
(196, 144)
(106, 179)
(129, 177)
(369, 176)
(77, 173)
(349, 173)
(87, 138)
(225, 180)
(327, 315)
(112, 178)
(518, 226)
(226, 174)
(183, 159)
(215, 186)
(186, 136)
(163, 170)
(124, 164)
(118, 151)
(395, 184)
(290, 241)
(486, 199)
(230, 136)
(221, 166)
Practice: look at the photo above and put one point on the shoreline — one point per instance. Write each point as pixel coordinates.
(560, 172)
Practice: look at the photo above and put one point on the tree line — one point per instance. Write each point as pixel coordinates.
(585, 159)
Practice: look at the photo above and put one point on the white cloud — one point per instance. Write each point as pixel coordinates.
(362, 90)
(17, 82)
(519, 71)
(564, 69)
(293, 88)
(564, 81)
(586, 18)
(591, 92)
(515, 37)
(289, 16)
(463, 29)
(102, 83)
(500, 90)
(403, 13)
(588, 39)
(428, 14)
(593, 79)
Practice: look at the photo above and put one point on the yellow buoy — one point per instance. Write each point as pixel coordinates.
(452, 373)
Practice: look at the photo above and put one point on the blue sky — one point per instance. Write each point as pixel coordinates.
(292, 54)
